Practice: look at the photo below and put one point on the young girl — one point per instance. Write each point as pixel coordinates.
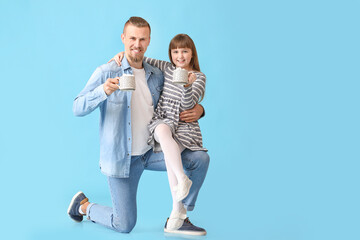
(167, 132)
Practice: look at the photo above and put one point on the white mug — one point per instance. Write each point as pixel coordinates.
(127, 82)
(180, 76)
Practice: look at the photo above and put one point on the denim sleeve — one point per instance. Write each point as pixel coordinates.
(91, 96)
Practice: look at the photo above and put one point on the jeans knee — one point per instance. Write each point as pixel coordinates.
(123, 226)
(206, 159)
(203, 159)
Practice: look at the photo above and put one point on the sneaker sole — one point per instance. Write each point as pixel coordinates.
(192, 233)
(71, 203)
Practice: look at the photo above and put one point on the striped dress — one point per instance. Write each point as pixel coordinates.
(173, 100)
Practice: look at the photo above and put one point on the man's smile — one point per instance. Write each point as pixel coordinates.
(136, 50)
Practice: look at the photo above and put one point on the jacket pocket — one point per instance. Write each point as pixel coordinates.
(117, 97)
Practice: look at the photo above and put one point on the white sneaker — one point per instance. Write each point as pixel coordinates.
(183, 188)
(176, 219)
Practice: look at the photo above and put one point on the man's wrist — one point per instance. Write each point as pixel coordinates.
(203, 113)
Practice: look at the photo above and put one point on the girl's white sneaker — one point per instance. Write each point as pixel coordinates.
(183, 188)
(176, 219)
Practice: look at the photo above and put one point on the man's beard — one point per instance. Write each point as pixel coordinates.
(136, 59)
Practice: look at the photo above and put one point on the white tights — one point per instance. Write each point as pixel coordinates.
(172, 155)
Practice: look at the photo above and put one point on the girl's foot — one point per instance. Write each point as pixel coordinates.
(183, 188)
(176, 219)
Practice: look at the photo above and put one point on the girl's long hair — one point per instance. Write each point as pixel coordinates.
(184, 41)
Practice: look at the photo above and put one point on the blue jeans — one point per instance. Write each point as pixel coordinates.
(122, 216)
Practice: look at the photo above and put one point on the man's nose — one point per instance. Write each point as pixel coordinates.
(137, 43)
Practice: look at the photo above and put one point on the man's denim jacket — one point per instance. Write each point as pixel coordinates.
(115, 113)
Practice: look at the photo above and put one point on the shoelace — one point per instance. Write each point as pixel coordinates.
(188, 221)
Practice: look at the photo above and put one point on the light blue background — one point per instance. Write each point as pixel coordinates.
(282, 116)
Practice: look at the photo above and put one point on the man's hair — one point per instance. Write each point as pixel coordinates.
(137, 22)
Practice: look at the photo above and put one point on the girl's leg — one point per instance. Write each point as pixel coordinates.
(172, 183)
(173, 161)
(170, 149)
(175, 172)
(172, 157)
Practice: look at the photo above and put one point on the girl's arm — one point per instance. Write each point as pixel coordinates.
(162, 65)
(192, 93)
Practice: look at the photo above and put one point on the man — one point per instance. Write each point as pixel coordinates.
(124, 153)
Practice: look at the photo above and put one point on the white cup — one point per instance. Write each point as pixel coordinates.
(180, 76)
(127, 82)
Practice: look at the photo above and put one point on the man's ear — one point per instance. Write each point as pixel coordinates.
(123, 38)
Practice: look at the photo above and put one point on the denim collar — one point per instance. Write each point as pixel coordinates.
(147, 67)
(125, 64)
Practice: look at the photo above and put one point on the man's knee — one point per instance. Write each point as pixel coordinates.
(201, 158)
(205, 159)
(123, 225)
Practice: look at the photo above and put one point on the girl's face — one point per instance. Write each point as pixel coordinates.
(181, 57)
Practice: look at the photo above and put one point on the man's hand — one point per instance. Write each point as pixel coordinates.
(111, 85)
(193, 114)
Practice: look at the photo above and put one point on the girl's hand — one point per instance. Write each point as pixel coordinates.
(191, 79)
(117, 58)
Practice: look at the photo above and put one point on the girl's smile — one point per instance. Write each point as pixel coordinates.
(181, 57)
